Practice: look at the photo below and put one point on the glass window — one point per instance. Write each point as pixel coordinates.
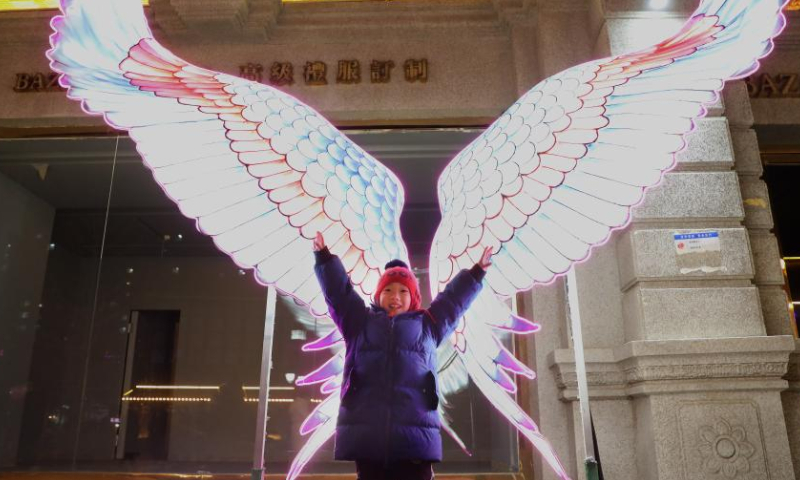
(129, 336)
(128, 342)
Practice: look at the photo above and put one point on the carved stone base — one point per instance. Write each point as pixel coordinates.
(702, 409)
(791, 407)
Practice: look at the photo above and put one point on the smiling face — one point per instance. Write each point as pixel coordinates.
(395, 299)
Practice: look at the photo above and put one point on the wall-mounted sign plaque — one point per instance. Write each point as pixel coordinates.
(698, 252)
(347, 71)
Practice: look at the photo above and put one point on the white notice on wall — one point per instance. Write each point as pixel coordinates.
(698, 252)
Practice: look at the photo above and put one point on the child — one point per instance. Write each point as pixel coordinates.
(388, 419)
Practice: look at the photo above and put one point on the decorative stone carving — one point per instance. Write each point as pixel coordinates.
(725, 449)
(641, 373)
(624, 370)
(569, 379)
(601, 369)
(724, 440)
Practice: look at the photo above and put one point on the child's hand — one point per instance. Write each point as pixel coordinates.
(319, 242)
(486, 258)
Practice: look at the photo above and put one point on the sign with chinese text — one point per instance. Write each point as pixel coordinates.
(347, 71)
(698, 252)
(279, 74)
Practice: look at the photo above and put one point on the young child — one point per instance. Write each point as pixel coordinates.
(388, 420)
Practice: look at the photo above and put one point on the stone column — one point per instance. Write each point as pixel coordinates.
(757, 213)
(768, 279)
(684, 381)
(791, 407)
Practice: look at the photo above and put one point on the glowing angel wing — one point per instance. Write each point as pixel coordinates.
(562, 168)
(259, 171)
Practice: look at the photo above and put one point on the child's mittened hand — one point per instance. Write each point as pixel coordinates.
(486, 258)
(319, 242)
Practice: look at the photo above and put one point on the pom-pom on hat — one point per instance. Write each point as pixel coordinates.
(398, 272)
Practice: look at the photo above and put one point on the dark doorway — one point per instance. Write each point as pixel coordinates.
(149, 363)
(782, 175)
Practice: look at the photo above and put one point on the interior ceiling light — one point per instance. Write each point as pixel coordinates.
(327, 1)
(166, 399)
(659, 4)
(244, 387)
(177, 387)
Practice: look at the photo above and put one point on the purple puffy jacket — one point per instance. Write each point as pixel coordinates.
(389, 391)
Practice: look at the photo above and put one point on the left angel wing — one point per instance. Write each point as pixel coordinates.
(564, 166)
(259, 171)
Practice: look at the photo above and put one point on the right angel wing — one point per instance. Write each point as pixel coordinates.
(564, 166)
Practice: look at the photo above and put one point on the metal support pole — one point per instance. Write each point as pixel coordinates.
(590, 462)
(263, 391)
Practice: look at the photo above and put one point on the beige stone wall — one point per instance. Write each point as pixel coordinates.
(480, 57)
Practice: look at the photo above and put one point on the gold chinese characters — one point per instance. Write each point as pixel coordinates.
(348, 72)
(280, 73)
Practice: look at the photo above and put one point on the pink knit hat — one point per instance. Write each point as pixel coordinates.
(398, 272)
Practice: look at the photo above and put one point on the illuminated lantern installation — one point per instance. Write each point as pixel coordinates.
(261, 173)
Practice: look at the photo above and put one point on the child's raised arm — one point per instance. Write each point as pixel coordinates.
(346, 307)
(450, 304)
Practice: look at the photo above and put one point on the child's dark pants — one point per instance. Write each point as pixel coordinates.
(394, 470)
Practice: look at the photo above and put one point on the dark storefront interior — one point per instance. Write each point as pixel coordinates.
(132, 310)
(781, 159)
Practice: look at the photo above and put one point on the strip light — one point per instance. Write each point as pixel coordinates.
(166, 399)
(17, 5)
(271, 400)
(271, 388)
(177, 387)
(280, 400)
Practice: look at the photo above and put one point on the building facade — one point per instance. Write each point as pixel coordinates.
(127, 343)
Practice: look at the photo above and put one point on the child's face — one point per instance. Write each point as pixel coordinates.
(395, 299)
